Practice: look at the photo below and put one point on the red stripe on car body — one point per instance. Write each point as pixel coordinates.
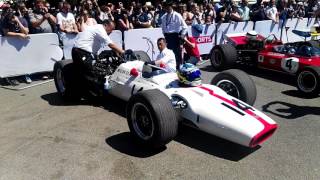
(263, 135)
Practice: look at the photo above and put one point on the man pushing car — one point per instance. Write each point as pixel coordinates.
(88, 42)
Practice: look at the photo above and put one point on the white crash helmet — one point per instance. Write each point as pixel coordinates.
(251, 35)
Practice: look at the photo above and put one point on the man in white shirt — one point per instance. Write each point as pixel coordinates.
(66, 20)
(88, 43)
(244, 10)
(174, 29)
(272, 12)
(166, 58)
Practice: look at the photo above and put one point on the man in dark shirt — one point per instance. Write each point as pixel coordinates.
(23, 14)
(142, 18)
(13, 26)
(158, 14)
(93, 8)
(257, 11)
(42, 21)
(121, 18)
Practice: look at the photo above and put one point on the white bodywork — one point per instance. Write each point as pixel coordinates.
(208, 107)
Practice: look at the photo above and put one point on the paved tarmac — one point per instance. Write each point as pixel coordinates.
(42, 137)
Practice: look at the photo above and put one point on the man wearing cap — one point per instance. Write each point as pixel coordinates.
(174, 29)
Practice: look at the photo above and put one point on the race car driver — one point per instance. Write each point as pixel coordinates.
(166, 58)
(251, 35)
(189, 75)
(88, 43)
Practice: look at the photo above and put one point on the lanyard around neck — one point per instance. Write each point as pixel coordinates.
(168, 20)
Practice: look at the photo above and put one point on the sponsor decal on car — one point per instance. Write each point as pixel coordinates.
(260, 58)
(121, 71)
(275, 54)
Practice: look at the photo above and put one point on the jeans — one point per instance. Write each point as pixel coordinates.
(191, 59)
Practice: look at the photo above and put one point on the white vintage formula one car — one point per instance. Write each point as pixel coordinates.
(157, 102)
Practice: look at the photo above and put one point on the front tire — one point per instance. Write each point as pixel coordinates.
(65, 79)
(223, 56)
(308, 81)
(237, 84)
(152, 118)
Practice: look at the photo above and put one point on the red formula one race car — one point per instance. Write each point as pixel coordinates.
(301, 59)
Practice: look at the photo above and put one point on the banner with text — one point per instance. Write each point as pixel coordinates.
(205, 38)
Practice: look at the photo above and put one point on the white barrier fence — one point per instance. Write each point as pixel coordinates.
(284, 32)
(27, 56)
(19, 57)
(297, 24)
(145, 39)
(265, 28)
(38, 53)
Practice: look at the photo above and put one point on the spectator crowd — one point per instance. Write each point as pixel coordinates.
(22, 17)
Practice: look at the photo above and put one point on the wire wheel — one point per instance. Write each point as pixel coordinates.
(229, 87)
(142, 121)
(307, 81)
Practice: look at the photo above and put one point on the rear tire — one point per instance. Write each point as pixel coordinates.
(237, 84)
(223, 56)
(152, 118)
(66, 81)
(308, 81)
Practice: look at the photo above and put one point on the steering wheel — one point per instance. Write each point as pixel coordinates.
(106, 54)
(128, 55)
(271, 39)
